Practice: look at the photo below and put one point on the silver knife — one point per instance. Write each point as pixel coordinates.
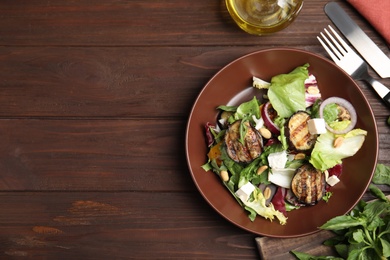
(362, 43)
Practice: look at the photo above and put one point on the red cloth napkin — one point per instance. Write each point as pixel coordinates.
(377, 13)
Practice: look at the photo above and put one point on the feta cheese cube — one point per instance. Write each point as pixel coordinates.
(245, 191)
(316, 126)
(333, 180)
(277, 160)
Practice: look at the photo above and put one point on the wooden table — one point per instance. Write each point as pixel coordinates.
(94, 100)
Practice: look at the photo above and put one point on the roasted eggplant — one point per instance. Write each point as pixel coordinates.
(297, 132)
(250, 149)
(308, 184)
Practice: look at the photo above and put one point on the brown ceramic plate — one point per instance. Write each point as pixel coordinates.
(231, 85)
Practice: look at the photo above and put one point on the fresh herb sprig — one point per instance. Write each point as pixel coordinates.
(382, 174)
(364, 233)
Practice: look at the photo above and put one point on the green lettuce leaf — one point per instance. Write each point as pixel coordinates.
(257, 204)
(325, 155)
(287, 91)
(330, 113)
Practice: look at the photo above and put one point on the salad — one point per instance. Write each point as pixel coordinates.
(285, 150)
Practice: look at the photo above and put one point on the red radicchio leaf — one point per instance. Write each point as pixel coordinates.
(336, 170)
(278, 200)
(209, 135)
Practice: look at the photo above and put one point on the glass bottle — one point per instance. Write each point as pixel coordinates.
(261, 17)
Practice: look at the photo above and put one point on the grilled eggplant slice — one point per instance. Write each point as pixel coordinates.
(308, 184)
(250, 149)
(297, 132)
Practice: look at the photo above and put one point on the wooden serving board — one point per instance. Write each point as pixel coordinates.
(279, 248)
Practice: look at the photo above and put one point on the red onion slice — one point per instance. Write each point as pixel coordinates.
(311, 81)
(310, 99)
(347, 105)
(267, 120)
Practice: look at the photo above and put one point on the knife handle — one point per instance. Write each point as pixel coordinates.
(380, 89)
(387, 99)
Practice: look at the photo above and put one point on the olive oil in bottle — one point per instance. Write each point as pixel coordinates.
(261, 17)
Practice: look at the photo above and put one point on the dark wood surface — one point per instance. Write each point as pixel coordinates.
(94, 101)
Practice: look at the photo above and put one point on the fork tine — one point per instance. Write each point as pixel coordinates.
(334, 57)
(343, 43)
(334, 50)
(336, 47)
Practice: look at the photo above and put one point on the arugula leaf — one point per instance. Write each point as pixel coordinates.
(247, 109)
(228, 108)
(207, 167)
(243, 112)
(315, 109)
(248, 174)
(327, 196)
(280, 121)
(234, 169)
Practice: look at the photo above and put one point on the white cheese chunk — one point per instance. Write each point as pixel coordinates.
(277, 160)
(333, 180)
(245, 191)
(316, 126)
(259, 122)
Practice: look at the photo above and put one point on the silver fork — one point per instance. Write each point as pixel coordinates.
(350, 62)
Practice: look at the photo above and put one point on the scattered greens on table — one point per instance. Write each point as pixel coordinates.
(364, 233)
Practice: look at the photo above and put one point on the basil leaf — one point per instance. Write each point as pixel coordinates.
(385, 247)
(358, 209)
(358, 236)
(334, 241)
(373, 212)
(357, 254)
(382, 174)
(342, 222)
(342, 250)
(378, 193)
(304, 256)
(375, 223)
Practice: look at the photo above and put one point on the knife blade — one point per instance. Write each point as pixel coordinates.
(359, 40)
